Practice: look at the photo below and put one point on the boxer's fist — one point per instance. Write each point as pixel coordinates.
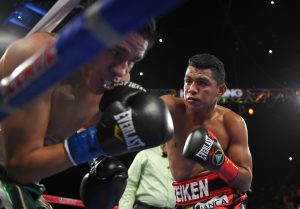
(104, 185)
(202, 146)
(123, 91)
(132, 120)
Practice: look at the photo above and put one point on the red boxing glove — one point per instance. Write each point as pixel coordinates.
(203, 147)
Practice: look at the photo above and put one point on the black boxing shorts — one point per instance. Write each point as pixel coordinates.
(207, 192)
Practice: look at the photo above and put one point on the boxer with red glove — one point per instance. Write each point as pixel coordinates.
(202, 146)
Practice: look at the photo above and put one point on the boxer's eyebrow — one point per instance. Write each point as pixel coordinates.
(198, 80)
(202, 80)
(121, 49)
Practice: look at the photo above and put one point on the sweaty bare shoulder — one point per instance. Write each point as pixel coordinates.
(173, 103)
(22, 49)
(169, 101)
(234, 124)
(231, 117)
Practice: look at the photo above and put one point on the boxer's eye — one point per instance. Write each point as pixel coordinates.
(203, 82)
(187, 81)
(116, 53)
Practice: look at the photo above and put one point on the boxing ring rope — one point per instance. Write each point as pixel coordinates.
(63, 200)
(102, 25)
(54, 16)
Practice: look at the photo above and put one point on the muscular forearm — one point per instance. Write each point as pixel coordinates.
(231, 168)
(38, 164)
(243, 180)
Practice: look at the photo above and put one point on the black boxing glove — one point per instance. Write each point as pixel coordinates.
(122, 91)
(104, 185)
(132, 120)
(202, 146)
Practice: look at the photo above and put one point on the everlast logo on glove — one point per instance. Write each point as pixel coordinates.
(125, 123)
(204, 151)
(131, 85)
(129, 116)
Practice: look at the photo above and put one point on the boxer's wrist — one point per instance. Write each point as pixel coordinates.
(228, 171)
(83, 147)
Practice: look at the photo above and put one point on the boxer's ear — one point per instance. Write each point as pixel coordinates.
(221, 90)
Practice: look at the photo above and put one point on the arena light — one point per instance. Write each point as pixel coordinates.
(35, 9)
(251, 111)
(15, 21)
(54, 16)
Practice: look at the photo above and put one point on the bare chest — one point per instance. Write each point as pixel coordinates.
(68, 116)
(184, 126)
(182, 168)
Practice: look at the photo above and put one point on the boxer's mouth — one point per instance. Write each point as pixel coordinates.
(192, 99)
(109, 84)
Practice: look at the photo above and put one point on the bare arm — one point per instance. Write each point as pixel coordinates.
(21, 50)
(238, 150)
(170, 102)
(26, 158)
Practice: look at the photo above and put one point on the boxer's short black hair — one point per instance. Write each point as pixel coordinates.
(208, 61)
(148, 32)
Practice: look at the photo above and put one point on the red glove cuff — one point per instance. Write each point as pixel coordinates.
(229, 171)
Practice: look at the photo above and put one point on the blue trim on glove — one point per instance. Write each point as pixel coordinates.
(83, 146)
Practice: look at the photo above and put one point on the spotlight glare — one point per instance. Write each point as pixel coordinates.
(160, 40)
(290, 158)
(270, 51)
(141, 73)
(272, 2)
(250, 111)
